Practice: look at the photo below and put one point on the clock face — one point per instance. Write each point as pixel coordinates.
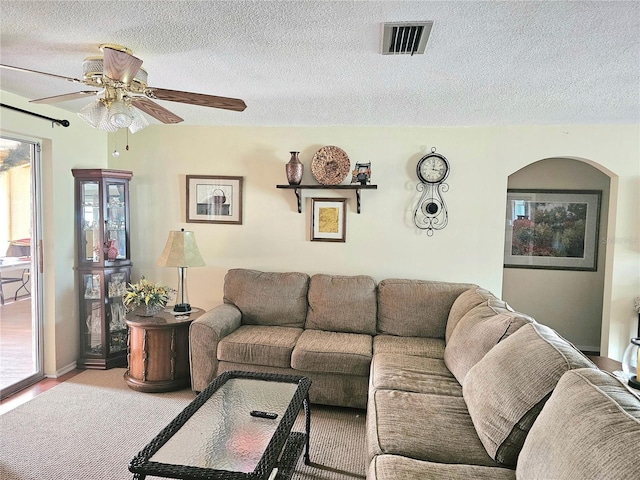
(432, 168)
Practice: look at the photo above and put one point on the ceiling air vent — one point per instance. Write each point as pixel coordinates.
(405, 37)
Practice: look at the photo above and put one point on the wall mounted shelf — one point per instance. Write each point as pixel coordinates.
(297, 190)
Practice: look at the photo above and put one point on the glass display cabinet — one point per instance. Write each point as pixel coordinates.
(103, 265)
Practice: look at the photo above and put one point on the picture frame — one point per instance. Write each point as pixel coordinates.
(361, 173)
(328, 220)
(214, 199)
(552, 229)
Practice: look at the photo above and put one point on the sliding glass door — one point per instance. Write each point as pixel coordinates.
(20, 311)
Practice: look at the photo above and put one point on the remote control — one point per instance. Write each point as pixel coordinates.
(269, 415)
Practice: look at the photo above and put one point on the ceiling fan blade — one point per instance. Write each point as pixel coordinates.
(18, 69)
(64, 97)
(120, 66)
(156, 111)
(197, 99)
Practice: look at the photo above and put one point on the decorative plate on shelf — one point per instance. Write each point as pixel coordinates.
(330, 165)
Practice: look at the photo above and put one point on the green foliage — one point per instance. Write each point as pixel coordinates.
(147, 293)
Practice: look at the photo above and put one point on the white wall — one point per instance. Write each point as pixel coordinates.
(572, 300)
(382, 241)
(76, 146)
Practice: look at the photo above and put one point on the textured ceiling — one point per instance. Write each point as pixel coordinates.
(319, 62)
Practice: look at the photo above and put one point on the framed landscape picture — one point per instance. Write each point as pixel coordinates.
(328, 220)
(552, 229)
(214, 199)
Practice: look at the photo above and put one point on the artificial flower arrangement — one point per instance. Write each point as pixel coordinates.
(148, 295)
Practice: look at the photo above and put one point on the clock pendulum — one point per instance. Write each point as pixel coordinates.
(431, 210)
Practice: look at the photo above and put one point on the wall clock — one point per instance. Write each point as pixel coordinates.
(431, 210)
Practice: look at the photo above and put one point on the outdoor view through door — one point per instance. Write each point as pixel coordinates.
(20, 353)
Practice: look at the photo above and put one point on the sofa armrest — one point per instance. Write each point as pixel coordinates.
(204, 335)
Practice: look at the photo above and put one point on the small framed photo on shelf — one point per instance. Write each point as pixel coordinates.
(328, 220)
(552, 229)
(214, 199)
(361, 173)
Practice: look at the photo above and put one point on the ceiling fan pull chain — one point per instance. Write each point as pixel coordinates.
(127, 147)
(115, 153)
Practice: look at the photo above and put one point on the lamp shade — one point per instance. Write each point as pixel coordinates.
(181, 250)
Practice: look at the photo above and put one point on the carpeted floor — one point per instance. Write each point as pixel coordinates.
(92, 425)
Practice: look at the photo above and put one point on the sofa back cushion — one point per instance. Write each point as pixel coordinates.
(506, 390)
(463, 304)
(340, 303)
(416, 308)
(268, 298)
(589, 428)
(479, 331)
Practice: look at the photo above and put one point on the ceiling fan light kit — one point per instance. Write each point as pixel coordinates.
(123, 84)
(110, 116)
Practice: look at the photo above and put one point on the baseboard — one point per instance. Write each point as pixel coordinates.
(63, 370)
(588, 348)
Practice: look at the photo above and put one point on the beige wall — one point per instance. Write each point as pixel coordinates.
(568, 301)
(381, 241)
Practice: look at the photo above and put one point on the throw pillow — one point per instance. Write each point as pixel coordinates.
(589, 428)
(506, 390)
(478, 332)
(463, 304)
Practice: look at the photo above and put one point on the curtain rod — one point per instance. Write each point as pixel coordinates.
(64, 123)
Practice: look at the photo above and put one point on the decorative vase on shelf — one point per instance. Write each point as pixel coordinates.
(294, 169)
(110, 250)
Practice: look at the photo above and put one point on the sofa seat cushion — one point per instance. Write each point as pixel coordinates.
(464, 303)
(259, 345)
(436, 428)
(413, 374)
(420, 346)
(416, 308)
(396, 467)
(268, 298)
(589, 428)
(333, 352)
(326, 388)
(339, 303)
(479, 331)
(506, 390)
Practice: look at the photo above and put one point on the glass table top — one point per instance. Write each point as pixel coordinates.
(222, 434)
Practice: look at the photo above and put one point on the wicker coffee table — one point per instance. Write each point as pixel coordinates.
(219, 436)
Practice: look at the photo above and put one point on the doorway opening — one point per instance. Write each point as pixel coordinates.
(21, 362)
(569, 300)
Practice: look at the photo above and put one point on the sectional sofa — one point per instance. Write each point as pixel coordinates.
(456, 384)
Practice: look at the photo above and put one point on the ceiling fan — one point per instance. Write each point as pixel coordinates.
(124, 90)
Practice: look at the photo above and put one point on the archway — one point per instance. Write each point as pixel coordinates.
(570, 301)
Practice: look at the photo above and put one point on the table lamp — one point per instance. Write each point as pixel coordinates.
(181, 251)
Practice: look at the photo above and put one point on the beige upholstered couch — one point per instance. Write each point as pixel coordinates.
(456, 384)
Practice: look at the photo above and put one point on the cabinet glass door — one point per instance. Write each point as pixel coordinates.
(116, 219)
(92, 314)
(90, 218)
(116, 287)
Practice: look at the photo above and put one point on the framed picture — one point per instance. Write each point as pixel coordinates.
(552, 229)
(328, 220)
(214, 199)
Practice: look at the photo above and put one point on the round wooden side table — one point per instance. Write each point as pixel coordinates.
(158, 351)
